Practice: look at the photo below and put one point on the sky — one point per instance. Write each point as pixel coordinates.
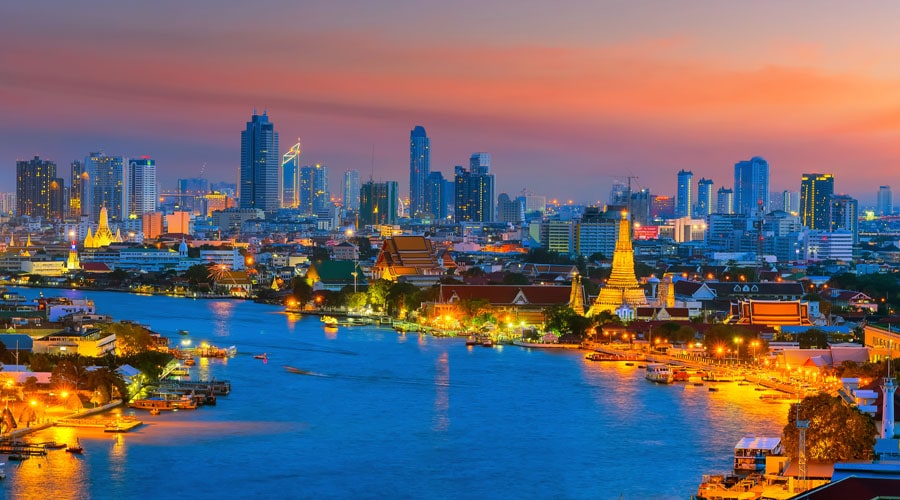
(567, 96)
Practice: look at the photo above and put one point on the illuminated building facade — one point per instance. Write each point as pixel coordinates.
(142, 191)
(419, 169)
(751, 186)
(622, 288)
(815, 191)
(34, 179)
(684, 195)
(259, 174)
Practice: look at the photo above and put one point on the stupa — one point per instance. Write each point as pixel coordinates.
(103, 237)
(622, 287)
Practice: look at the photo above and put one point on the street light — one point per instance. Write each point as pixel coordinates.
(737, 350)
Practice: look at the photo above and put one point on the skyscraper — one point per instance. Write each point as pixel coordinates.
(378, 203)
(314, 193)
(107, 186)
(509, 210)
(751, 186)
(684, 195)
(290, 177)
(815, 190)
(475, 190)
(436, 198)
(419, 168)
(885, 203)
(705, 203)
(724, 201)
(351, 190)
(843, 213)
(143, 191)
(259, 165)
(33, 178)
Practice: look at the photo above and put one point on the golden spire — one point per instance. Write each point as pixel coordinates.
(622, 286)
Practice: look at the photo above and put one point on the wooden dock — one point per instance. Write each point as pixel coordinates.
(107, 424)
(23, 449)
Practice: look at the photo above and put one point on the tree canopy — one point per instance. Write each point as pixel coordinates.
(836, 431)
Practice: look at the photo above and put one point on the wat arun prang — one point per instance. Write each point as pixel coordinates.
(622, 287)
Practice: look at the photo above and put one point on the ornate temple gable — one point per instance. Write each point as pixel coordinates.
(520, 298)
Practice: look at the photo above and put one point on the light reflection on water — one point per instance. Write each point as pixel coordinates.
(379, 421)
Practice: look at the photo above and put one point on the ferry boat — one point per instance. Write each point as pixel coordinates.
(471, 340)
(659, 373)
(165, 402)
(330, 321)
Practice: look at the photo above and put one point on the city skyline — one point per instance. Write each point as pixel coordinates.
(600, 91)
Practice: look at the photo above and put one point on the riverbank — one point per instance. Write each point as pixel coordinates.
(51, 420)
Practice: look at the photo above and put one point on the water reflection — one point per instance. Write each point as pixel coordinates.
(222, 311)
(441, 419)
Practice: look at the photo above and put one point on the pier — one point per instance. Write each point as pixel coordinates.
(217, 387)
(107, 424)
(22, 449)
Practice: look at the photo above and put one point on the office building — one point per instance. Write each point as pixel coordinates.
(314, 194)
(509, 210)
(662, 207)
(106, 187)
(885, 202)
(705, 202)
(823, 245)
(350, 195)
(190, 191)
(815, 191)
(597, 232)
(259, 174)
(290, 177)
(33, 188)
(724, 201)
(843, 213)
(378, 203)
(439, 196)
(684, 198)
(142, 191)
(79, 183)
(475, 190)
(419, 168)
(751, 186)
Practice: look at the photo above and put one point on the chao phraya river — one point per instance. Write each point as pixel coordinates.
(395, 416)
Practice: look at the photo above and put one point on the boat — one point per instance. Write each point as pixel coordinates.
(659, 373)
(182, 332)
(261, 356)
(18, 457)
(53, 445)
(330, 321)
(471, 340)
(76, 448)
(190, 362)
(487, 342)
(165, 401)
(713, 389)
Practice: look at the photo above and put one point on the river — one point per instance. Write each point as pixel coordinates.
(395, 416)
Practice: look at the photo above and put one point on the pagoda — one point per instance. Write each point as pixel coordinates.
(622, 287)
(103, 237)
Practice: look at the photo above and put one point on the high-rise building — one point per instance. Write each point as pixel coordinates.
(190, 191)
(79, 182)
(419, 168)
(815, 190)
(619, 193)
(843, 213)
(751, 186)
(259, 174)
(684, 195)
(475, 190)
(509, 210)
(378, 203)
(351, 190)
(705, 203)
(885, 203)
(33, 179)
(290, 177)
(724, 201)
(662, 207)
(596, 232)
(437, 200)
(314, 193)
(107, 186)
(143, 191)
(640, 207)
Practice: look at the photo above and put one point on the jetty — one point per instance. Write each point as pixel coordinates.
(22, 449)
(217, 387)
(123, 424)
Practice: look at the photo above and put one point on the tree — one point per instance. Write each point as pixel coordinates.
(67, 374)
(813, 339)
(197, 274)
(366, 251)
(836, 431)
(106, 383)
(131, 338)
(565, 321)
(302, 290)
(378, 293)
(515, 279)
(357, 300)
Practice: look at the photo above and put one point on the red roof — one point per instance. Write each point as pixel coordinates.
(95, 267)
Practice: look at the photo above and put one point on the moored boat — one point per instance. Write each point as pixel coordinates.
(659, 373)
(471, 340)
(487, 342)
(76, 448)
(330, 321)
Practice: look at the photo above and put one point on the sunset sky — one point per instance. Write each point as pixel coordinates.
(566, 96)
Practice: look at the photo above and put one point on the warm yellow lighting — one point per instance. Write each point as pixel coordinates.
(64, 394)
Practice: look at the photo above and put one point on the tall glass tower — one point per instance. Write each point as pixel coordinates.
(351, 190)
(885, 204)
(705, 203)
(751, 186)
(419, 168)
(107, 186)
(683, 197)
(259, 176)
(290, 177)
(142, 186)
